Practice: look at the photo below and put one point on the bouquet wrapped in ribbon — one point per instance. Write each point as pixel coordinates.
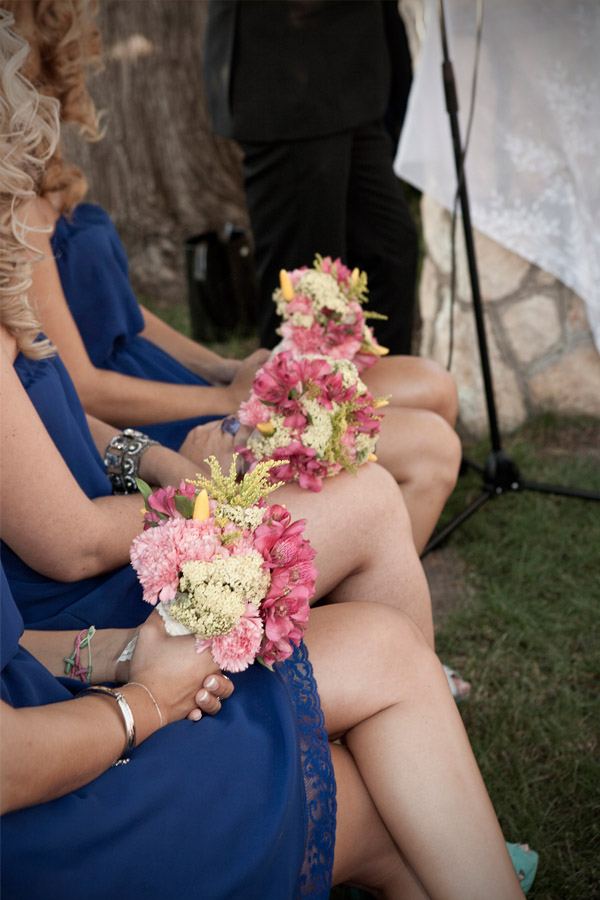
(219, 562)
(312, 416)
(322, 312)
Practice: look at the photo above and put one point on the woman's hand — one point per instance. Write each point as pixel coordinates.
(215, 689)
(240, 384)
(210, 440)
(172, 670)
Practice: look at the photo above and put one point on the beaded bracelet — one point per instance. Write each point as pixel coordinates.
(122, 459)
(73, 667)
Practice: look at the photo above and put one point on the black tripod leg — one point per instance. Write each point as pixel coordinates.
(558, 489)
(467, 512)
(467, 463)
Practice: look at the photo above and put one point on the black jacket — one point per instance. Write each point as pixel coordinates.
(289, 69)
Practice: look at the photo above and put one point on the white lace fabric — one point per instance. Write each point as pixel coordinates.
(533, 163)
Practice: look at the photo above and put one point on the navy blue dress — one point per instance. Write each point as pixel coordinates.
(268, 833)
(93, 269)
(112, 600)
(236, 807)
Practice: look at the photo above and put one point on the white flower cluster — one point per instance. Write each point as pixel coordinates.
(349, 373)
(263, 445)
(298, 319)
(319, 430)
(365, 445)
(248, 519)
(216, 592)
(324, 290)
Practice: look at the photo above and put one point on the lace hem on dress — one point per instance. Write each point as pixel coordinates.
(319, 779)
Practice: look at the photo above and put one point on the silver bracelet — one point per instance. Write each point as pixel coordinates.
(152, 697)
(122, 459)
(125, 710)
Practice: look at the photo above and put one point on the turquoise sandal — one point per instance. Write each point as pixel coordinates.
(525, 862)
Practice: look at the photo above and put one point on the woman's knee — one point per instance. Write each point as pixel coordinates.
(439, 462)
(442, 391)
(382, 505)
(391, 642)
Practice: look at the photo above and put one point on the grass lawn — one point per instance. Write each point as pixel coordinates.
(526, 632)
(527, 635)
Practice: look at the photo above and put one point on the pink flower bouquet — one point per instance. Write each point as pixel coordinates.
(312, 416)
(322, 313)
(220, 563)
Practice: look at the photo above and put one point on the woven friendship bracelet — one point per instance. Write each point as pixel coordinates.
(73, 667)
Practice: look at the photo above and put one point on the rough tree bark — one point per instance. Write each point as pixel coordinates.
(159, 170)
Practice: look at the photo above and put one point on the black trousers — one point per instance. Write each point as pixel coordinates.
(337, 196)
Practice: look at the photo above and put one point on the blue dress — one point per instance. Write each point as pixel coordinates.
(92, 265)
(112, 600)
(236, 807)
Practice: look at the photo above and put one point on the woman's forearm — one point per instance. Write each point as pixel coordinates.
(158, 465)
(124, 400)
(193, 356)
(51, 648)
(49, 751)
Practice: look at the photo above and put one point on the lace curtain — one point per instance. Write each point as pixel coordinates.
(533, 163)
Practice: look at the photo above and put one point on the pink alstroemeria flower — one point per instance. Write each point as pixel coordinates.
(162, 500)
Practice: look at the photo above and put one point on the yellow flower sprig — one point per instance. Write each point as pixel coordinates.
(227, 490)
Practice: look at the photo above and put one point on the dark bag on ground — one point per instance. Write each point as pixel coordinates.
(222, 286)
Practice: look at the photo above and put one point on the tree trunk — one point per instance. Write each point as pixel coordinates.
(159, 171)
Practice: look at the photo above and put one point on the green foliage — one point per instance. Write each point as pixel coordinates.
(184, 506)
(144, 489)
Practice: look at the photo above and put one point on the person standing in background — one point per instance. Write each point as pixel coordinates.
(315, 93)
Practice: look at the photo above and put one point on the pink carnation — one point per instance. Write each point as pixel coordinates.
(303, 340)
(237, 650)
(300, 304)
(253, 411)
(336, 267)
(158, 554)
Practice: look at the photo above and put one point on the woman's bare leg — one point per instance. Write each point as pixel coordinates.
(423, 454)
(359, 526)
(415, 382)
(365, 854)
(383, 688)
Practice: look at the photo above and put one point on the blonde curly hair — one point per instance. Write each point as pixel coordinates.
(29, 129)
(66, 43)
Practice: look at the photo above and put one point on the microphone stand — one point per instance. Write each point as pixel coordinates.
(500, 474)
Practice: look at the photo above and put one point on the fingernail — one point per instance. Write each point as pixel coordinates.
(202, 695)
(211, 683)
(196, 715)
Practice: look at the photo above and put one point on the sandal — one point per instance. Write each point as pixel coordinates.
(525, 862)
(459, 688)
